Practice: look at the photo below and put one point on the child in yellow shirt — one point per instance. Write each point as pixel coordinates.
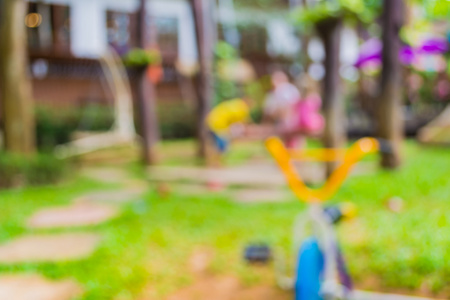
(226, 120)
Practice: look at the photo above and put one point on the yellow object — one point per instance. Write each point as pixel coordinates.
(227, 113)
(348, 158)
(33, 20)
(348, 210)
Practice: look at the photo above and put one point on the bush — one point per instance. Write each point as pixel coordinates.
(44, 169)
(40, 169)
(56, 127)
(176, 120)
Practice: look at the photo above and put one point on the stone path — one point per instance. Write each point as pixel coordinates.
(261, 196)
(258, 182)
(41, 248)
(263, 174)
(100, 206)
(91, 209)
(106, 175)
(111, 196)
(136, 185)
(250, 175)
(189, 188)
(114, 175)
(77, 214)
(35, 287)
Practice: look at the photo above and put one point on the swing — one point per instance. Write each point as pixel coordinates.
(437, 132)
(123, 131)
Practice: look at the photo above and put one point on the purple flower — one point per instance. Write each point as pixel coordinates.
(407, 55)
(434, 46)
(370, 51)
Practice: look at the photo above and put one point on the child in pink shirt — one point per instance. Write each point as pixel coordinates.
(304, 118)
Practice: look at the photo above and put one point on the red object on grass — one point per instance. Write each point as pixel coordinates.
(215, 185)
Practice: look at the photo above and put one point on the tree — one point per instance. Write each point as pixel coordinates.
(333, 100)
(328, 24)
(390, 119)
(205, 26)
(146, 95)
(16, 99)
(327, 17)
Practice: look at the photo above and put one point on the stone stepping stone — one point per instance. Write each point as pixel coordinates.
(35, 287)
(191, 188)
(78, 214)
(262, 175)
(106, 175)
(136, 185)
(115, 197)
(48, 248)
(261, 196)
(248, 175)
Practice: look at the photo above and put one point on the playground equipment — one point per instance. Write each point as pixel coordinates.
(321, 272)
(437, 132)
(123, 131)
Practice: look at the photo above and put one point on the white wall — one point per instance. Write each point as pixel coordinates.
(119, 5)
(282, 39)
(89, 32)
(88, 28)
(88, 23)
(181, 10)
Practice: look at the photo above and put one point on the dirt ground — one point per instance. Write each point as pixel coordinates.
(206, 286)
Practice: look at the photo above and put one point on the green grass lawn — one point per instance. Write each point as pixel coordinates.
(148, 246)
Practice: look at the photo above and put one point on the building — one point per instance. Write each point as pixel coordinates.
(66, 38)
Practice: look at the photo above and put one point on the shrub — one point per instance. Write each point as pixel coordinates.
(56, 127)
(176, 120)
(40, 169)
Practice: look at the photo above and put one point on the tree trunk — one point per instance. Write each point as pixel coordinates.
(367, 92)
(146, 95)
(390, 119)
(333, 102)
(59, 45)
(205, 31)
(304, 38)
(16, 99)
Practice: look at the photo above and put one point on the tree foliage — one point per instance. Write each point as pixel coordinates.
(138, 57)
(363, 10)
(261, 4)
(436, 9)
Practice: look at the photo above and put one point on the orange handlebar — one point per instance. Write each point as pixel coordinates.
(348, 157)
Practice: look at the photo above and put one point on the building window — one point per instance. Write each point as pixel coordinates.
(48, 27)
(119, 31)
(167, 35)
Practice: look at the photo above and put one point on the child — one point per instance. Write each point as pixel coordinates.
(304, 118)
(282, 97)
(226, 121)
